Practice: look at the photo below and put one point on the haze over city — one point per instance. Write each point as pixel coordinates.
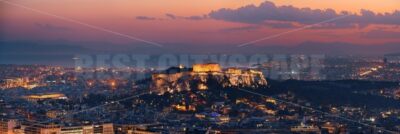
(199, 67)
(60, 29)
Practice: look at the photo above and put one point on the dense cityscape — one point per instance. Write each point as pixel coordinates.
(202, 98)
(199, 67)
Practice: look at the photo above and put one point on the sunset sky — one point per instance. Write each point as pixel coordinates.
(198, 23)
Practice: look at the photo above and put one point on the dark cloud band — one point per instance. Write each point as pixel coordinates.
(268, 11)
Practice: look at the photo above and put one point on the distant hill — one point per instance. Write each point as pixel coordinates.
(335, 48)
(393, 54)
(62, 52)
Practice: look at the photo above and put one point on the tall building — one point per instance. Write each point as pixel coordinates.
(32, 128)
(7, 126)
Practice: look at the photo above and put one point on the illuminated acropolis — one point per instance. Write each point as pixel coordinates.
(178, 81)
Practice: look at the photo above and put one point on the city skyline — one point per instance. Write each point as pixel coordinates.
(199, 66)
(359, 95)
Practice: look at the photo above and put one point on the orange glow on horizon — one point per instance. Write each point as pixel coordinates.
(119, 16)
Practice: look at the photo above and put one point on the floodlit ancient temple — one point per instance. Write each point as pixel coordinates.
(209, 67)
(179, 79)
